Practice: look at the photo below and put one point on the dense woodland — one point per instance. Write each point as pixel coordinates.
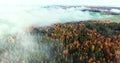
(73, 42)
(84, 41)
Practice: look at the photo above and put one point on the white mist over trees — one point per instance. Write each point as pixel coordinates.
(17, 19)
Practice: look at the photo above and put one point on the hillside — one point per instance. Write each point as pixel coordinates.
(85, 41)
(72, 42)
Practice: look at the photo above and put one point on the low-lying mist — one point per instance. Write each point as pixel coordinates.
(16, 18)
(27, 48)
(18, 46)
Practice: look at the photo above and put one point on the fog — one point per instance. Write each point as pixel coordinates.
(18, 46)
(17, 18)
